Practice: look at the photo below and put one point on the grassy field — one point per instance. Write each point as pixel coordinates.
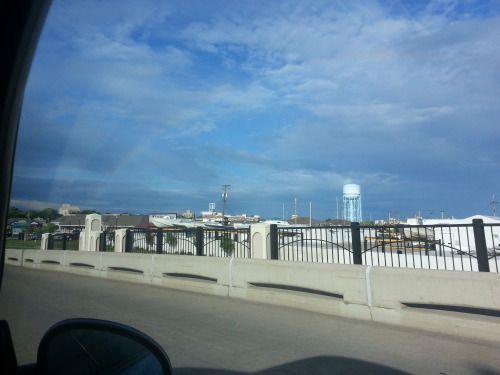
(35, 244)
(17, 244)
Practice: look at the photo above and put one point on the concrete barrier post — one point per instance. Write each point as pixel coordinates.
(93, 223)
(81, 241)
(120, 240)
(95, 238)
(260, 243)
(45, 241)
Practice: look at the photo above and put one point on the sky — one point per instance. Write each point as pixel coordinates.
(151, 106)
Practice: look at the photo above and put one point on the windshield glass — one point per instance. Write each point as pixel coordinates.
(155, 134)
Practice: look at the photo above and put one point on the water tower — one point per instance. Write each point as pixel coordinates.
(352, 203)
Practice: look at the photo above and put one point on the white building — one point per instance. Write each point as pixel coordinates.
(67, 209)
(452, 234)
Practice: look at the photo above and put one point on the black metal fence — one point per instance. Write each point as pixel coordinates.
(464, 247)
(61, 241)
(64, 241)
(473, 247)
(191, 241)
(106, 241)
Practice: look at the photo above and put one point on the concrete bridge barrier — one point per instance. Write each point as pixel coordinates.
(460, 303)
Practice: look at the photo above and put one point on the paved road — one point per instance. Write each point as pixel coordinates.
(215, 335)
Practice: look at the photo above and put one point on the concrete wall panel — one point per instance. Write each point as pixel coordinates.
(133, 267)
(14, 257)
(196, 274)
(363, 292)
(83, 263)
(392, 286)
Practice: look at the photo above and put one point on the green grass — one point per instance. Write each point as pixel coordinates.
(35, 244)
(18, 244)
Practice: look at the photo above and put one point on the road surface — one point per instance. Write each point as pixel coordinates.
(215, 335)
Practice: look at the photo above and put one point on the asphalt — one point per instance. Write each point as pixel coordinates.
(205, 334)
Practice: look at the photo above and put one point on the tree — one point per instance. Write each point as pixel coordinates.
(149, 240)
(48, 214)
(88, 212)
(15, 212)
(49, 228)
(171, 240)
(227, 245)
(367, 223)
(29, 230)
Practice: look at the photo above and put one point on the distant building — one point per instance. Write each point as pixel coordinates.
(453, 221)
(112, 222)
(188, 215)
(217, 216)
(19, 227)
(450, 236)
(108, 222)
(159, 215)
(67, 209)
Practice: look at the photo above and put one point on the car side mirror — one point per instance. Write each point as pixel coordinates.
(90, 346)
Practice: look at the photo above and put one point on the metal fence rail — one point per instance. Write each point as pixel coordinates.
(473, 247)
(462, 247)
(190, 241)
(314, 244)
(106, 241)
(61, 241)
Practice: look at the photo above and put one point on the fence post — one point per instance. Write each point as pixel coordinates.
(273, 233)
(159, 241)
(481, 249)
(102, 241)
(50, 242)
(199, 241)
(128, 241)
(64, 241)
(356, 243)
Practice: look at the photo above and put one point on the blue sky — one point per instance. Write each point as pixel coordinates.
(152, 106)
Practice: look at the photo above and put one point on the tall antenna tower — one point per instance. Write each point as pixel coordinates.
(494, 204)
(352, 203)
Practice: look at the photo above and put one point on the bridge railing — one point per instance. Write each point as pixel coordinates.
(190, 241)
(461, 247)
(464, 247)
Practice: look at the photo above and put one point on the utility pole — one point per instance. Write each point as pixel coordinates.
(225, 188)
(310, 214)
(295, 202)
(494, 204)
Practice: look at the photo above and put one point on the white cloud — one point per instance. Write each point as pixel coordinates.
(291, 90)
